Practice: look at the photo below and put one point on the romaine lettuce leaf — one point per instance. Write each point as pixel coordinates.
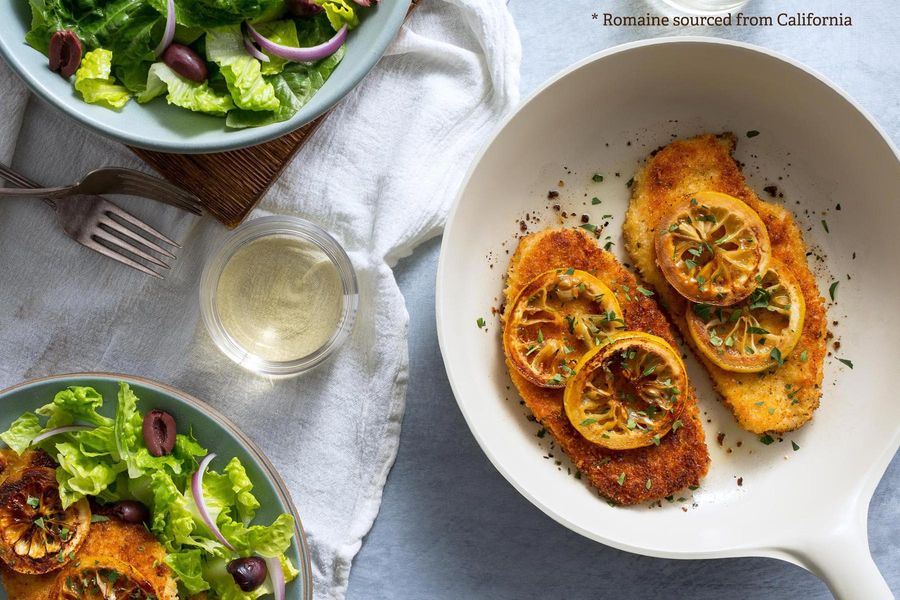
(243, 74)
(183, 92)
(340, 13)
(215, 13)
(74, 404)
(289, 104)
(188, 567)
(80, 475)
(281, 32)
(93, 79)
(21, 432)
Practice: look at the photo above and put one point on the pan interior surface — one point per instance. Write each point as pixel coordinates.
(819, 150)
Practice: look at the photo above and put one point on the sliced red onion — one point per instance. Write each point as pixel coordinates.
(197, 492)
(51, 432)
(319, 52)
(276, 574)
(253, 51)
(169, 33)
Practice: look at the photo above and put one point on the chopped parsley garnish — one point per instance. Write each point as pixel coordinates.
(833, 289)
(631, 424)
(570, 271)
(621, 479)
(595, 200)
(532, 349)
(39, 522)
(589, 227)
(846, 362)
(775, 355)
(99, 518)
(758, 330)
(694, 202)
(690, 264)
(648, 371)
(597, 177)
(644, 291)
(655, 439)
(540, 337)
(481, 323)
(571, 322)
(587, 422)
(555, 380)
(608, 245)
(64, 534)
(804, 355)
(794, 445)
(825, 226)
(33, 502)
(677, 425)
(759, 298)
(710, 218)
(766, 439)
(693, 488)
(752, 133)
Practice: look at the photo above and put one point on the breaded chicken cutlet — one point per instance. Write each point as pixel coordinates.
(624, 476)
(122, 546)
(778, 399)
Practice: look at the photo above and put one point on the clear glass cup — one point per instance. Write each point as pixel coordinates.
(706, 7)
(281, 226)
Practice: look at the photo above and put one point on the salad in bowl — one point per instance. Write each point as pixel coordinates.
(131, 507)
(251, 62)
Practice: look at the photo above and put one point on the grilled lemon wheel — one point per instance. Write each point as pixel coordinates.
(555, 319)
(757, 333)
(627, 393)
(36, 534)
(711, 248)
(102, 578)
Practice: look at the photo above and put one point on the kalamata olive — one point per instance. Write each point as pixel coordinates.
(303, 8)
(248, 573)
(185, 62)
(130, 511)
(65, 53)
(159, 432)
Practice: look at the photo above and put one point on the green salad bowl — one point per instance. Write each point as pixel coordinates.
(158, 126)
(212, 429)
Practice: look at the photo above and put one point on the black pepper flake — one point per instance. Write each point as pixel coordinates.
(771, 190)
(585, 219)
(552, 194)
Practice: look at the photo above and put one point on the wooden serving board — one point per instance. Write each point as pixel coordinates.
(230, 184)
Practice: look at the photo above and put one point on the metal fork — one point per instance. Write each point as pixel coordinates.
(95, 222)
(114, 180)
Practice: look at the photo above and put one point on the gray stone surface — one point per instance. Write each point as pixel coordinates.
(450, 526)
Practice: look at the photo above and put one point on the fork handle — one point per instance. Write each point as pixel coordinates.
(23, 181)
(33, 192)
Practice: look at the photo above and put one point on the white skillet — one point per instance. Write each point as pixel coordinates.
(809, 506)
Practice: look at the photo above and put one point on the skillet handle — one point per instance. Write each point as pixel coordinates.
(841, 558)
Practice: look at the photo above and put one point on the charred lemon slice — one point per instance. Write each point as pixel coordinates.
(626, 394)
(712, 248)
(102, 578)
(36, 534)
(555, 319)
(757, 333)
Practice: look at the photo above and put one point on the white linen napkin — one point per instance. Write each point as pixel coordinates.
(379, 175)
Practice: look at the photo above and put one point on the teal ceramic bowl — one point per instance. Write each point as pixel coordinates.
(211, 429)
(158, 126)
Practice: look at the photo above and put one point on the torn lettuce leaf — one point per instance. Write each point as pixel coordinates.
(183, 92)
(95, 82)
(242, 72)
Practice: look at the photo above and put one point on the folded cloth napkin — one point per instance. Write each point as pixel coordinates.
(379, 174)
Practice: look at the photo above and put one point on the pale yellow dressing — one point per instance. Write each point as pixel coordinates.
(280, 298)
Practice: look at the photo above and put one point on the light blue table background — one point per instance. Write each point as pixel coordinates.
(450, 526)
